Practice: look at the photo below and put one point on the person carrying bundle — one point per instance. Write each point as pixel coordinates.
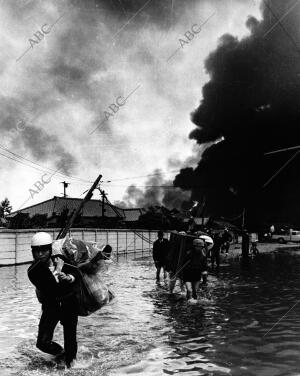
(67, 277)
(56, 293)
(195, 268)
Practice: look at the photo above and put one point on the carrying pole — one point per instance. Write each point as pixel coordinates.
(88, 196)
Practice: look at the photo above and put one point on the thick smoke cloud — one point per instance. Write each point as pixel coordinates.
(159, 191)
(156, 12)
(252, 100)
(98, 51)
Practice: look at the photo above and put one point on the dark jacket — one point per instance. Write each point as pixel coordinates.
(48, 289)
(218, 241)
(160, 250)
(195, 259)
(226, 237)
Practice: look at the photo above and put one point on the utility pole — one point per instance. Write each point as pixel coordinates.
(88, 196)
(65, 184)
(243, 219)
(103, 195)
(203, 210)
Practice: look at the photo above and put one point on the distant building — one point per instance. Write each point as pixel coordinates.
(54, 213)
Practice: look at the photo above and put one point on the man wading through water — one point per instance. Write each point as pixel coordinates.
(55, 291)
(160, 253)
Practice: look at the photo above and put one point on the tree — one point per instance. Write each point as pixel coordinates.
(5, 208)
(20, 220)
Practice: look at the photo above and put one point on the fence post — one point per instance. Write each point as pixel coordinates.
(142, 243)
(117, 242)
(16, 247)
(126, 242)
(95, 235)
(134, 244)
(82, 234)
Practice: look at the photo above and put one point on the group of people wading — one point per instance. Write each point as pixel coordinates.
(57, 281)
(194, 265)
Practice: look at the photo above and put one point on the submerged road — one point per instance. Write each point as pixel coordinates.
(147, 331)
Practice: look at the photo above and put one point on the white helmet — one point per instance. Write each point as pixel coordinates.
(198, 241)
(41, 238)
(208, 240)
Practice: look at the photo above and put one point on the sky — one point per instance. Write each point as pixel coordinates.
(104, 87)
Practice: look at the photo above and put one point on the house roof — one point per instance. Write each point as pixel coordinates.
(201, 221)
(92, 208)
(222, 224)
(132, 214)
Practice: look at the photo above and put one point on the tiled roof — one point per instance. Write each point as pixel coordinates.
(200, 221)
(56, 205)
(132, 214)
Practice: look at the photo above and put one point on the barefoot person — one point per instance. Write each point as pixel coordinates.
(195, 268)
(55, 291)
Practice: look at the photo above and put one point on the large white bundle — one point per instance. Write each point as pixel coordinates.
(208, 241)
(76, 250)
(87, 257)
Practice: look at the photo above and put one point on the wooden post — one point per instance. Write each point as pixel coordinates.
(125, 250)
(245, 244)
(134, 243)
(142, 243)
(16, 247)
(243, 219)
(117, 242)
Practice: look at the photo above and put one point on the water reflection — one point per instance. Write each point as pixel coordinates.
(147, 331)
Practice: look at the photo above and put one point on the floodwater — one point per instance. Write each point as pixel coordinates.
(147, 331)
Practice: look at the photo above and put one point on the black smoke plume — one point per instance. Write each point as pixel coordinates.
(252, 100)
(157, 191)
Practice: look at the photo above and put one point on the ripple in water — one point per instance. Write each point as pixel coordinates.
(147, 331)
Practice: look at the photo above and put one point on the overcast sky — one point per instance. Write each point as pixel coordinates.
(57, 90)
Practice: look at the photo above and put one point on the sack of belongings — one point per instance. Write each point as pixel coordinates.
(75, 250)
(89, 260)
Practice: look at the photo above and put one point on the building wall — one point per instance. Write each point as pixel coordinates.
(15, 244)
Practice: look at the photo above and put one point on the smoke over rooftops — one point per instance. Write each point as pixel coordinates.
(252, 100)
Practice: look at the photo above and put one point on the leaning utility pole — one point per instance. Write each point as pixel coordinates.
(88, 196)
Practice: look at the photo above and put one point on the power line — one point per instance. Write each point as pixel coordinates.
(145, 186)
(74, 177)
(280, 150)
(145, 176)
(281, 168)
(280, 23)
(37, 164)
(15, 160)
